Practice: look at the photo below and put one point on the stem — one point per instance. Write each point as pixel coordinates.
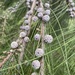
(42, 59)
(42, 35)
(18, 40)
(5, 59)
(22, 52)
(23, 45)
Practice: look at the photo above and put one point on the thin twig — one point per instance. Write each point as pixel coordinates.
(42, 35)
(23, 45)
(22, 52)
(5, 59)
(42, 59)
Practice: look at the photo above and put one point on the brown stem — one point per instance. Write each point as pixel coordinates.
(22, 52)
(23, 45)
(9, 54)
(5, 59)
(42, 59)
(42, 35)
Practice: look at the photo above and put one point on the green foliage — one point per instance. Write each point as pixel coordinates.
(59, 55)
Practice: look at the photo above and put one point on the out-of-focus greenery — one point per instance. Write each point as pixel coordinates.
(59, 55)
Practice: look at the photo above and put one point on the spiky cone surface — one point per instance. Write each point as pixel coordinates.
(36, 64)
